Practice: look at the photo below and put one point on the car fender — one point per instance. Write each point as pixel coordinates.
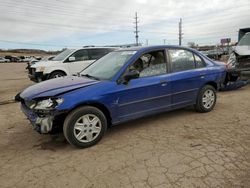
(50, 66)
(49, 70)
(97, 104)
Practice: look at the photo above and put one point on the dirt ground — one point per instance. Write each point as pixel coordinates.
(175, 149)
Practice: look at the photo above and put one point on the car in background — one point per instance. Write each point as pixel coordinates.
(68, 62)
(3, 60)
(12, 58)
(34, 60)
(215, 53)
(239, 59)
(123, 85)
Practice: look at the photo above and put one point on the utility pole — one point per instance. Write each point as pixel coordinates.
(180, 32)
(164, 41)
(146, 42)
(136, 29)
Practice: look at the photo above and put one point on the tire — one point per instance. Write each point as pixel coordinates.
(81, 130)
(206, 99)
(56, 74)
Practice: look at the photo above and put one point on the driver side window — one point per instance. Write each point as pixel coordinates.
(150, 64)
(80, 55)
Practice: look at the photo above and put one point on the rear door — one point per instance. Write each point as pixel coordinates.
(187, 76)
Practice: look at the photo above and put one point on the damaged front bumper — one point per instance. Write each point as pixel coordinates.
(240, 65)
(36, 76)
(42, 123)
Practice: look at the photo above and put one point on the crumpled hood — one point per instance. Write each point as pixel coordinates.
(55, 87)
(242, 50)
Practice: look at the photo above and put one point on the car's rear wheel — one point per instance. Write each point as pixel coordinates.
(206, 99)
(85, 126)
(56, 74)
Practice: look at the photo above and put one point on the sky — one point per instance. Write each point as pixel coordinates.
(56, 24)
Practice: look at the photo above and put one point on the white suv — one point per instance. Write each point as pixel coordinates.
(68, 62)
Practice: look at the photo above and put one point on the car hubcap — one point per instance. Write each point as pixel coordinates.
(87, 128)
(208, 99)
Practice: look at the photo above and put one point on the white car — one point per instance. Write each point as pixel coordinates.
(3, 60)
(68, 62)
(239, 59)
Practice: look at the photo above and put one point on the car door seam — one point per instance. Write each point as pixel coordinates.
(153, 98)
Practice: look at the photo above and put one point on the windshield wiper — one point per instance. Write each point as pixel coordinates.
(89, 76)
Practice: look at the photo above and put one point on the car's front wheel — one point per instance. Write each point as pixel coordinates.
(206, 99)
(56, 74)
(85, 126)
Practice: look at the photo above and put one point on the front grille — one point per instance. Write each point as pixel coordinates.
(243, 62)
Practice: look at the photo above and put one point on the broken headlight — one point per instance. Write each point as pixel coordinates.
(46, 104)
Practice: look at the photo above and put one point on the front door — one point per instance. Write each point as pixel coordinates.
(149, 93)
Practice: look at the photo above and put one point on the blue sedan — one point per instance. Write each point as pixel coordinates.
(123, 85)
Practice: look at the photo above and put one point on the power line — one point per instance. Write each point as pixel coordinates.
(85, 16)
(98, 8)
(51, 13)
(56, 16)
(65, 26)
(216, 21)
(63, 8)
(76, 11)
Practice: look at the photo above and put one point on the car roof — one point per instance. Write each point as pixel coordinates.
(92, 47)
(98, 47)
(156, 47)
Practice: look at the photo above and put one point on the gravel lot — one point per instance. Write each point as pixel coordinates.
(176, 149)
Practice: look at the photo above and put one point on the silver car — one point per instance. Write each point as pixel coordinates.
(3, 60)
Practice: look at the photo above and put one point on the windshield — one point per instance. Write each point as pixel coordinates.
(245, 40)
(63, 55)
(106, 67)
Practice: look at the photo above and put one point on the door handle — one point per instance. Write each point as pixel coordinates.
(202, 75)
(164, 82)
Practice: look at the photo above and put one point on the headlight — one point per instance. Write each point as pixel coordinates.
(47, 104)
(40, 69)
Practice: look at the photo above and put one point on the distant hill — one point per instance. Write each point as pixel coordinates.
(27, 52)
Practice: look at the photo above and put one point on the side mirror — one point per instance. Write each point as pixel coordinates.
(72, 58)
(131, 75)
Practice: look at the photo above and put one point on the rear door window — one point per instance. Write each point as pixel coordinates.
(181, 60)
(97, 53)
(199, 63)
